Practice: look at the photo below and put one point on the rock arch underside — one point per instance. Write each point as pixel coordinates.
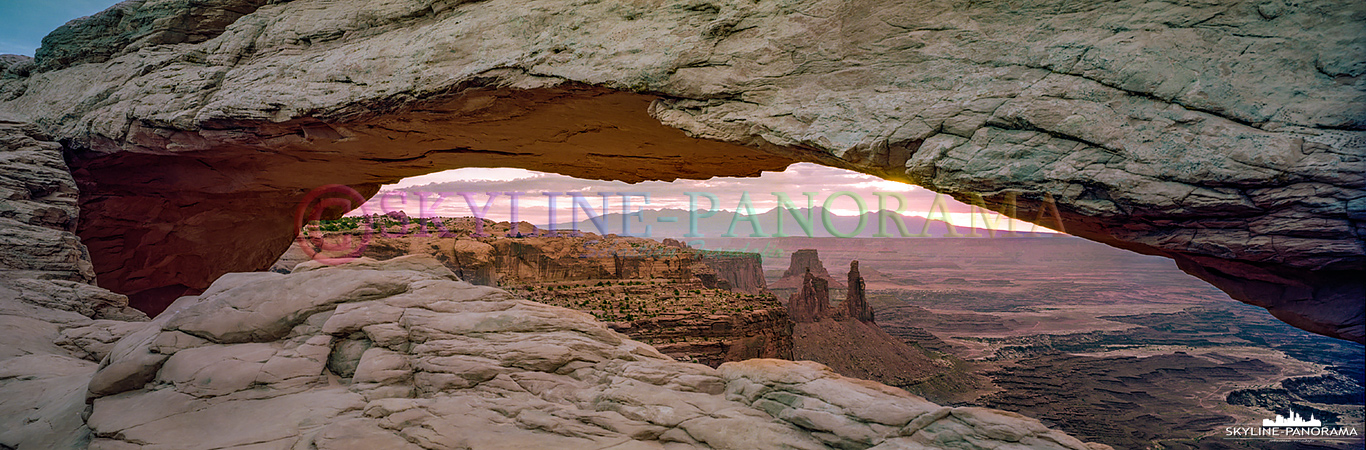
(1229, 136)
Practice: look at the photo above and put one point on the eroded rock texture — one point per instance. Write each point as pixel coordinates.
(54, 325)
(38, 209)
(677, 299)
(800, 263)
(739, 272)
(1226, 135)
(399, 354)
(42, 262)
(812, 302)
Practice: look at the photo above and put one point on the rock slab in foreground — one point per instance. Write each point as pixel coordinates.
(400, 354)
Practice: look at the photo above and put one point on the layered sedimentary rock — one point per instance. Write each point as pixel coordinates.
(1225, 135)
(56, 325)
(801, 262)
(812, 302)
(742, 272)
(399, 354)
(42, 262)
(495, 259)
(685, 302)
(55, 335)
(38, 209)
(686, 320)
(714, 339)
(498, 256)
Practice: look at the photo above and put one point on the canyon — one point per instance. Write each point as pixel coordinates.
(395, 354)
(1227, 137)
(161, 155)
(1107, 345)
(693, 305)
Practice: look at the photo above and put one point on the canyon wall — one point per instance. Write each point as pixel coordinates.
(393, 355)
(39, 212)
(497, 260)
(42, 261)
(713, 339)
(742, 272)
(401, 355)
(700, 306)
(1228, 136)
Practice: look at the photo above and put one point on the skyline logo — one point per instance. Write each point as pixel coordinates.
(1293, 421)
(1293, 427)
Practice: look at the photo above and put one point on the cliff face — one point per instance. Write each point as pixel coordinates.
(742, 272)
(1227, 136)
(685, 320)
(707, 307)
(42, 261)
(812, 303)
(713, 339)
(57, 324)
(39, 210)
(497, 260)
(805, 261)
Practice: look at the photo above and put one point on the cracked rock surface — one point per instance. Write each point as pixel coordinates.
(399, 354)
(1225, 135)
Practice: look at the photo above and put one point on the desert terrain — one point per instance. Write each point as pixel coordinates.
(1105, 344)
(1109, 345)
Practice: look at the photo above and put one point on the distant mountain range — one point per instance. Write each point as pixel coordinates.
(681, 224)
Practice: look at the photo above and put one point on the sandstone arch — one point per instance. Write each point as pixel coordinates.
(1228, 136)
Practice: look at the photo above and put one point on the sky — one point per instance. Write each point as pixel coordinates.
(438, 194)
(27, 21)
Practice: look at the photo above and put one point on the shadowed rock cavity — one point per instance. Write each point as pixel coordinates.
(226, 200)
(1225, 137)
